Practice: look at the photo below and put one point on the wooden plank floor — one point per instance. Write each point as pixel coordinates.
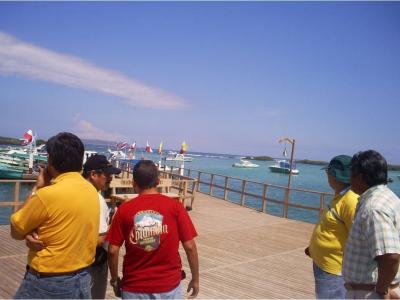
(243, 254)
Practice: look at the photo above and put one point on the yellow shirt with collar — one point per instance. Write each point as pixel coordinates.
(66, 218)
(330, 235)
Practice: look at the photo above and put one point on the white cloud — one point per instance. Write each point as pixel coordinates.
(21, 58)
(86, 130)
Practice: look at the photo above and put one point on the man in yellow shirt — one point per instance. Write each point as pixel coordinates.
(64, 212)
(330, 234)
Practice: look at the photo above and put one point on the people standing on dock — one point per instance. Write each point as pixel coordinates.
(372, 254)
(64, 212)
(98, 171)
(151, 226)
(331, 232)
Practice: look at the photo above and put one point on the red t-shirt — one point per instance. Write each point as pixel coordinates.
(151, 227)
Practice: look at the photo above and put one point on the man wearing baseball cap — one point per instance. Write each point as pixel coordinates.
(98, 171)
(330, 234)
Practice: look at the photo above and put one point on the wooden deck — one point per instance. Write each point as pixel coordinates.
(243, 254)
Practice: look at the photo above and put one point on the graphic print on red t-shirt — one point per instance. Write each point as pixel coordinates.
(148, 230)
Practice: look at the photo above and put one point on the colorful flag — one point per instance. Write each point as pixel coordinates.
(148, 148)
(28, 137)
(183, 148)
(133, 146)
(122, 145)
(160, 148)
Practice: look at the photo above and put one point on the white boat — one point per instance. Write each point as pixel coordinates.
(179, 157)
(283, 166)
(245, 164)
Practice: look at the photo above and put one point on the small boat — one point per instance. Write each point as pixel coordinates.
(283, 166)
(245, 164)
(7, 172)
(179, 157)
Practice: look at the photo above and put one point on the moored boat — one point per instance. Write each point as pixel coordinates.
(283, 166)
(245, 164)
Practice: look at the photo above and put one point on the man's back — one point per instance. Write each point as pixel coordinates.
(66, 218)
(151, 225)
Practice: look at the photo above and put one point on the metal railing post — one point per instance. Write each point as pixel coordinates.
(242, 198)
(16, 194)
(211, 184)
(264, 199)
(225, 188)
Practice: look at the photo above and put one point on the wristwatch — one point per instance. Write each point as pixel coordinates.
(114, 283)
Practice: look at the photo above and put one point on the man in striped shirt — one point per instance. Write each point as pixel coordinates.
(372, 254)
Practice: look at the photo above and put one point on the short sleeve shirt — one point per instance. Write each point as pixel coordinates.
(151, 226)
(375, 232)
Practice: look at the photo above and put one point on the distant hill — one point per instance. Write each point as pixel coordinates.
(98, 142)
(17, 142)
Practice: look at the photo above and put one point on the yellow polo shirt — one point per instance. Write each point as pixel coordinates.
(330, 234)
(66, 217)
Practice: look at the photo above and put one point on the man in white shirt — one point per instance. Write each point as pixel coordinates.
(98, 171)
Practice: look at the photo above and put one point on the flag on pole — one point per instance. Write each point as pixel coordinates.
(28, 137)
(160, 148)
(183, 148)
(122, 145)
(133, 146)
(148, 148)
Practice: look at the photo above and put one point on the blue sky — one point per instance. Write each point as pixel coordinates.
(226, 77)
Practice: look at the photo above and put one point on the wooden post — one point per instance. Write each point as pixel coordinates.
(211, 184)
(16, 195)
(225, 188)
(198, 180)
(242, 198)
(286, 200)
(264, 199)
(321, 204)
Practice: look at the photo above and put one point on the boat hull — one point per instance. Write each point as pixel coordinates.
(283, 170)
(10, 174)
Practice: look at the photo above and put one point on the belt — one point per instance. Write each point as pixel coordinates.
(365, 287)
(40, 274)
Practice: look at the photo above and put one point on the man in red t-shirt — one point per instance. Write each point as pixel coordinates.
(151, 226)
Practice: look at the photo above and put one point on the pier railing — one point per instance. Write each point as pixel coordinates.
(265, 197)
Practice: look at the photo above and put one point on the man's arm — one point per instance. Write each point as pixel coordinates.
(113, 253)
(388, 265)
(193, 259)
(33, 211)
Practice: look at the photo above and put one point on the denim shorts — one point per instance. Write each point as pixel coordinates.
(75, 286)
(327, 285)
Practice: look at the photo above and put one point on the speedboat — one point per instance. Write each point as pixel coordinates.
(179, 157)
(245, 164)
(283, 166)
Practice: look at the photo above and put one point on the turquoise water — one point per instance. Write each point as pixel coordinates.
(311, 177)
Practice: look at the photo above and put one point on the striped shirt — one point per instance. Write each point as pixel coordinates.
(375, 231)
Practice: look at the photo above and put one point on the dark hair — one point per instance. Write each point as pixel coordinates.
(145, 174)
(371, 165)
(66, 152)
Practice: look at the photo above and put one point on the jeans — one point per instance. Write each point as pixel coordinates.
(327, 285)
(75, 286)
(176, 293)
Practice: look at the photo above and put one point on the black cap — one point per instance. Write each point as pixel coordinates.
(99, 162)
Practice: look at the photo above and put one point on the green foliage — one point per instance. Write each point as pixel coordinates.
(17, 142)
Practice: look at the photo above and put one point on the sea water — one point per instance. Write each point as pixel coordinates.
(311, 177)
